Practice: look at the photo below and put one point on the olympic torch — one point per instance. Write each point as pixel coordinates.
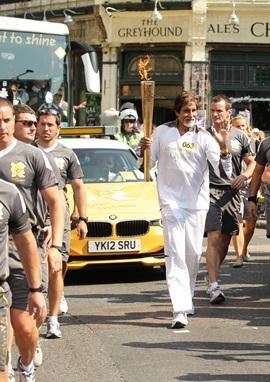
(147, 96)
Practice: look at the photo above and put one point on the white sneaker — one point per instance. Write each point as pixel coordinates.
(11, 374)
(179, 320)
(208, 290)
(216, 295)
(53, 329)
(190, 312)
(38, 357)
(63, 307)
(26, 376)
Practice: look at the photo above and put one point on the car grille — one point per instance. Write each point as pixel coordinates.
(132, 228)
(125, 228)
(99, 229)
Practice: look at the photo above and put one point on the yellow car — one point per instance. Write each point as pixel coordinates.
(124, 221)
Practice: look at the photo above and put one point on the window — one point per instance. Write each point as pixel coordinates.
(167, 72)
(165, 66)
(238, 71)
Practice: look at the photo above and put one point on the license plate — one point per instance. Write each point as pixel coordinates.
(114, 245)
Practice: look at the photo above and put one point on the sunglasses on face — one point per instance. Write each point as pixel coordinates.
(27, 123)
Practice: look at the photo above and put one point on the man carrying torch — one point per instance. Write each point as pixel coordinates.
(182, 150)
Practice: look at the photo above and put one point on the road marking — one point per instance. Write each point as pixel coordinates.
(251, 327)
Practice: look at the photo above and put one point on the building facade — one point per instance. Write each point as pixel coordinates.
(193, 47)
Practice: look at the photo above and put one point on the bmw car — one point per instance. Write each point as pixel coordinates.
(124, 221)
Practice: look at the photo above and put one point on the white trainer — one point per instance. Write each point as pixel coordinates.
(38, 357)
(53, 329)
(63, 307)
(11, 374)
(216, 295)
(179, 320)
(191, 312)
(26, 376)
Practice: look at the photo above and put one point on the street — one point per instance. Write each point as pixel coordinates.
(117, 327)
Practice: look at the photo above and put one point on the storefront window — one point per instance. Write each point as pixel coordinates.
(167, 72)
(162, 66)
(259, 75)
(244, 76)
(229, 74)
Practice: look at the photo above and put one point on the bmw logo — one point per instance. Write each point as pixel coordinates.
(112, 217)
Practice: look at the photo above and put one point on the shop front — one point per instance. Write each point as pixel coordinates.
(132, 36)
(240, 64)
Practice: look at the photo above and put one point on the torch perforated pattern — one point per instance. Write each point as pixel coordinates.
(132, 228)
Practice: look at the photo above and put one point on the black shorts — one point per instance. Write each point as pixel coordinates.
(225, 207)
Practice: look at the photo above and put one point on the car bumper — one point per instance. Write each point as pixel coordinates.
(148, 261)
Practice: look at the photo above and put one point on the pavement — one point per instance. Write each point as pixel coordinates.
(118, 327)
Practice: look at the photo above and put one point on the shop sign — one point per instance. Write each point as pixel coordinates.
(250, 29)
(142, 29)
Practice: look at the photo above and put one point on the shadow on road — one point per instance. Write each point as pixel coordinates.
(246, 289)
(114, 274)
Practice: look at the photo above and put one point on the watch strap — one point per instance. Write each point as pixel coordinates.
(83, 218)
(253, 199)
(59, 247)
(34, 290)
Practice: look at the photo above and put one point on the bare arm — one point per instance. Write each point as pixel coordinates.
(28, 251)
(53, 198)
(239, 181)
(254, 187)
(79, 194)
(266, 175)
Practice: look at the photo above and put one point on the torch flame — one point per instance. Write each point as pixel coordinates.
(143, 71)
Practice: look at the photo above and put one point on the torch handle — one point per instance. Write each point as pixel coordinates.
(147, 94)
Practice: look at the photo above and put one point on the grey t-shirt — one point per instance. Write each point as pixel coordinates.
(29, 169)
(263, 157)
(66, 161)
(239, 148)
(42, 211)
(13, 218)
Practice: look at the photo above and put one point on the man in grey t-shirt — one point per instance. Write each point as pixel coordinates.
(222, 218)
(68, 164)
(14, 219)
(28, 168)
(261, 174)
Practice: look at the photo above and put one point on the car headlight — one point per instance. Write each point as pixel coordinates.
(156, 223)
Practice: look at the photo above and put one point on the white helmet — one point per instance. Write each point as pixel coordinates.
(128, 114)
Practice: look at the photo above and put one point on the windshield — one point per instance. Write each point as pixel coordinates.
(32, 67)
(105, 165)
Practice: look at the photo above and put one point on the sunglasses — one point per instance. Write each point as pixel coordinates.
(27, 123)
(129, 120)
(48, 111)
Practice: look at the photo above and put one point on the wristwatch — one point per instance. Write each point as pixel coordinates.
(253, 199)
(59, 247)
(34, 290)
(83, 218)
(224, 153)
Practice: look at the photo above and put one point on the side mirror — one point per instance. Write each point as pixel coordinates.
(91, 72)
(90, 63)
